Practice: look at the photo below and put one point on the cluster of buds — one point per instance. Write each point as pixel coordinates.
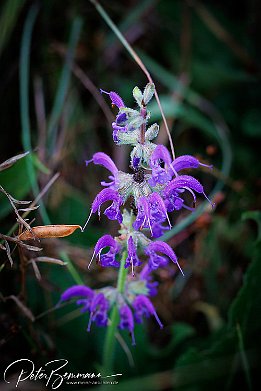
(153, 189)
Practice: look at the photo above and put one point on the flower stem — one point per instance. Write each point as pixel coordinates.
(109, 346)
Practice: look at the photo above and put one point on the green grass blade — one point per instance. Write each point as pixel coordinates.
(63, 84)
(8, 18)
(24, 68)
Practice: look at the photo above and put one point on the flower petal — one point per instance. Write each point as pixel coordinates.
(104, 160)
(115, 98)
(76, 291)
(127, 321)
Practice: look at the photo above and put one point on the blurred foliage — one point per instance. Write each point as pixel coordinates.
(203, 57)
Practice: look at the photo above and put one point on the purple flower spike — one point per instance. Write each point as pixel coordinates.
(115, 98)
(132, 259)
(156, 260)
(99, 311)
(107, 259)
(127, 321)
(187, 161)
(159, 174)
(143, 307)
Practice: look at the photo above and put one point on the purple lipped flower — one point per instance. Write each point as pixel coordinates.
(173, 201)
(127, 321)
(99, 311)
(132, 258)
(143, 216)
(158, 211)
(83, 291)
(109, 258)
(115, 98)
(143, 307)
(185, 182)
(156, 260)
(151, 213)
(160, 175)
(158, 229)
(187, 161)
(113, 211)
(104, 160)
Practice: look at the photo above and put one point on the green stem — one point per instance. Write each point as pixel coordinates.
(109, 346)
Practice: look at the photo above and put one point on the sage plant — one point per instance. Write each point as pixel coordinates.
(141, 201)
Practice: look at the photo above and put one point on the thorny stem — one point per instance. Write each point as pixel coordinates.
(138, 60)
(109, 346)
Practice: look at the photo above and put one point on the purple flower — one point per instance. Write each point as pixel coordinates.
(156, 260)
(143, 307)
(115, 98)
(104, 160)
(132, 258)
(151, 213)
(127, 321)
(158, 209)
(79, 291)
(143, 216)
(172, 191)
(109, 258)
(99, 311)
(187, 161)
(160, 175)
(113, 211)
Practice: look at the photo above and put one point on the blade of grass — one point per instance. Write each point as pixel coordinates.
(244, 357)
(63, 84)
(72, 270)
(8, 18)
(24, 68)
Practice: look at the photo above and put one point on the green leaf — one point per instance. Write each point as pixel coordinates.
(16, 182)
(256, 216)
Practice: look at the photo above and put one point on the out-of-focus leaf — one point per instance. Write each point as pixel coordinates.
(49, 231)
(8, 163)
(251, 123)
(9, 15)
(254, 215)
(189, 115)
(15, 181)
